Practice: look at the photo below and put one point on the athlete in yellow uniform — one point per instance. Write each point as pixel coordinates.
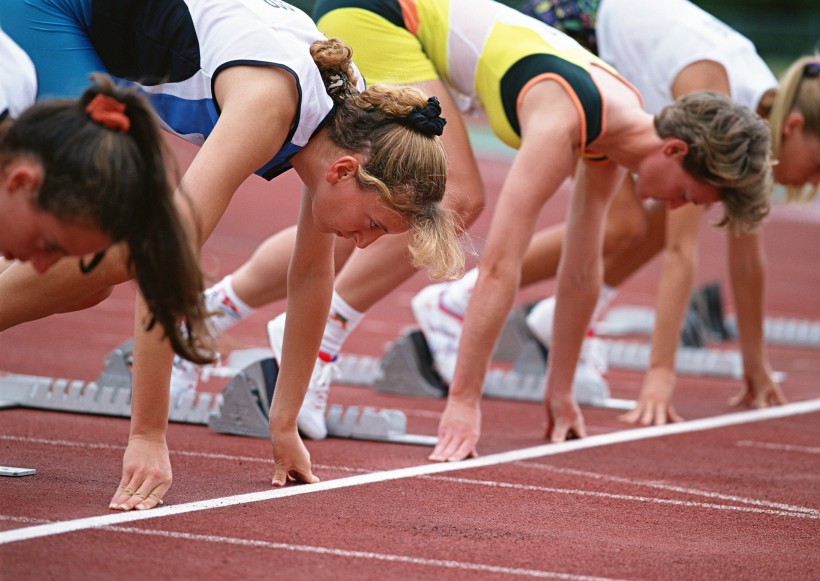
(557, 104)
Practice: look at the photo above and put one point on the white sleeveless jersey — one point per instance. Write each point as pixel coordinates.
(649, 42)
(18, 80)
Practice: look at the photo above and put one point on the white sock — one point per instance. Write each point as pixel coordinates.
(457, 295)
(341, 321)
(229, 308)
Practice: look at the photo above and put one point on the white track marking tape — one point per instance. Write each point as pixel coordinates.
(631, 435)
(332, 552)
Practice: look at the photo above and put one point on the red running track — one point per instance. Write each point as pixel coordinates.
(698, 500)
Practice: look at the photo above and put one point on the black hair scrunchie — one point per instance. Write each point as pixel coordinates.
(427, 120)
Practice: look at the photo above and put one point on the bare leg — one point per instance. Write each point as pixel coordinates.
(263, 278)
(625, 228)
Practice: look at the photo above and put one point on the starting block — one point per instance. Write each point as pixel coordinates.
(247, 398)
(408, 370)
(92, 398)
(705, 321)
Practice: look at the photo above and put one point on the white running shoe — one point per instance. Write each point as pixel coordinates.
(440, 327)
(311, 418)
(184, 378)
(592, 364)
(539, 320)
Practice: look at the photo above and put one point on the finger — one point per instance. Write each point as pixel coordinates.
(280, 476)
(659, 415)
(147, 496)
(465, 450)
(629, 417)
(559, 432)
(439, 454)
(124, 493)
(646, 415)
(674, 416)
(305, 476)
(776, 396)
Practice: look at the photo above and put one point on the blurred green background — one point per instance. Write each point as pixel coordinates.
(782, 30)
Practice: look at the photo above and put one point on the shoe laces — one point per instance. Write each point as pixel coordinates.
(319, 388)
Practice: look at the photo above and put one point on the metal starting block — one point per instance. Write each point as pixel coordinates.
(247, 398)
(705, 322)
(92, 398)
(408, 370)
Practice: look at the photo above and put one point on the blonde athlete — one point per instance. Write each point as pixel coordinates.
(559, 105)
(261, 90)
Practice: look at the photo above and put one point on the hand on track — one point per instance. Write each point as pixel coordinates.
(146, 475)
(458, 432)
(653, 407)
(759, 392)
(564, 420)
(291, 459)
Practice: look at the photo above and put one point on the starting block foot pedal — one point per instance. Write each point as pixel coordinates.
(407, 368)
(371, 424)
(246, 403)
(515, 335)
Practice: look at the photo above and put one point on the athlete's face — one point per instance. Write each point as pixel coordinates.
(799, 159)
(29, 234)
(661, 177)
(343, 208)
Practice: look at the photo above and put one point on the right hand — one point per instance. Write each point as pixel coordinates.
(291, 458)
(458, 432)
(653, 407)
(564, 419)
(146, 475)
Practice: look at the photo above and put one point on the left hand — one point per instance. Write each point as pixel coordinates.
(564, 420)
(291, 459)
(458, 432)
(759, 392)
(653, 407)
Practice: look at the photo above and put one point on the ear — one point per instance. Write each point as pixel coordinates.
(343, 168)
(674, 147)
(793, 123)
(24, 176)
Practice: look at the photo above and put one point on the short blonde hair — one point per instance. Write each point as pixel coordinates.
(729, 148)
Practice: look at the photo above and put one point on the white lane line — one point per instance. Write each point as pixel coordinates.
(813, 515)
(660, 485)
(631, 435)
(367, 555)
(779, 447)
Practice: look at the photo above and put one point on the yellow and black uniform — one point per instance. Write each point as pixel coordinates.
(484, 51)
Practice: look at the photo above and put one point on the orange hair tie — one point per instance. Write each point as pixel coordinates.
(109, 112)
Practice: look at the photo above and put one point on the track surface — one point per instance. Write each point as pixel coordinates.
(695, 500)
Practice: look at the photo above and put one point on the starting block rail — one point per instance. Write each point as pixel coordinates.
(78, 396)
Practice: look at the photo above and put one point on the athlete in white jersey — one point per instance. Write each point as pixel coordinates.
(18, 81)
(651, 42)
(245, 79)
